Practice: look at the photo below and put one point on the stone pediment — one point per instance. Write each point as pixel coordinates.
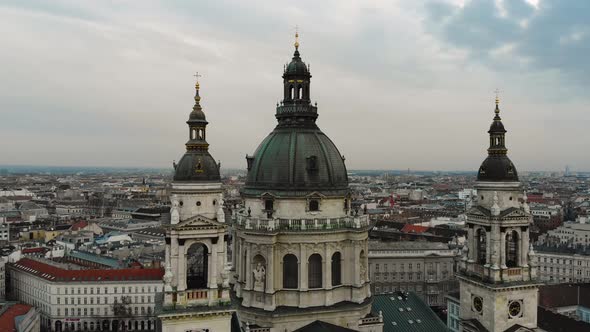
(198, 222)
(482, 212)
(512, 213)
(479, 211)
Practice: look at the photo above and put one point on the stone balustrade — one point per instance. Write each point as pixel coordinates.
(301, 225)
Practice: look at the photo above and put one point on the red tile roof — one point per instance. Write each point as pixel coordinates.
(54, 273)
(79, 225)
(34, 250)
(409, 228)
(7, 323)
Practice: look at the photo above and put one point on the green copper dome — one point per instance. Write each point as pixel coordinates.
(296, 158)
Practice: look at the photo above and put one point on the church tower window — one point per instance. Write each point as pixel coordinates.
(314, 271)
(197, 266)
(290, 272)
(481, 246)
(336, 269)
(512, 249)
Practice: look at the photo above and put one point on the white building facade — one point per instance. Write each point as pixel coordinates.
(73, 300)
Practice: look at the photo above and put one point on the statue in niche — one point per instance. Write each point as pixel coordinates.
(174, 214)
(259, 276)
(495, 209)
(363, 271)
(168, 275)
(220, 212)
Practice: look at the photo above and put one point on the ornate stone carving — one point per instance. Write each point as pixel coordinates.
(259, 276)
(174, 214)
(495, 210)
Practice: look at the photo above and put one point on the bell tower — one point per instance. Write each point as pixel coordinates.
(196, 280)
(498, 288)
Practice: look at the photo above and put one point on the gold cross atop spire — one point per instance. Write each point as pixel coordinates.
(497, 97)
(296, 37)
(197, 75)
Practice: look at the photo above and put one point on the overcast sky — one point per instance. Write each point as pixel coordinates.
(399, 84)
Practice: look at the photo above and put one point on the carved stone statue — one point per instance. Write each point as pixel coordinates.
(363, 271)
(495, 210)
(259, 276)
(525, 205)
(220, 212)
(174, 214)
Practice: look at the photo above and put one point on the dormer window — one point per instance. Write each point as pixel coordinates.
(268, 204)
(312, 164)
(314, 205)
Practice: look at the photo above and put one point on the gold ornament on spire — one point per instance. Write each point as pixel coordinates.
(296, 38)
(197, 87)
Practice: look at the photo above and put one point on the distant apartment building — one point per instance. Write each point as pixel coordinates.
(570, 233)
(562, 267)
(3, 261)
(86, 299)
(426, 268)
(4, 231)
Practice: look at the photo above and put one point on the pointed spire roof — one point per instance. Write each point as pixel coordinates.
(197, 115)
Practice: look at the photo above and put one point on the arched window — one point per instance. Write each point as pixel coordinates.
(336, 271)
(314, 271)
(299, 92)
(290, 271)
(512, 249)
(481, 246)
(292, 92)
(268, 204)
(197, 266)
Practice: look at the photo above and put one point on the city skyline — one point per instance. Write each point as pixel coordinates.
(398, 85)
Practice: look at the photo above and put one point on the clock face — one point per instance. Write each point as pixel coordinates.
(514, 308)
(477, 304)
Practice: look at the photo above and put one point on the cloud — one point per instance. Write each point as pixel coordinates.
(399, 84)
(552, 36)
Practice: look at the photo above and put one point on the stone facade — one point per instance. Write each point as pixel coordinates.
(300, 253)
(425, 268)
(497, 278)
(556, 267)
(196, 279)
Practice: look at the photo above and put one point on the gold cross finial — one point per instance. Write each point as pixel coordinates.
(197, 75)
(497, 97)
(296, 37)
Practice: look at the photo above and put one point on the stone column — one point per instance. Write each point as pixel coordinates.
(248, 276)
(327, 268)
(523, 249)
(181, 265)
(471, 240)
(270, 269)
(503, 249)
(303, 267)
(213, 264)
(488, 247)
(496, 244)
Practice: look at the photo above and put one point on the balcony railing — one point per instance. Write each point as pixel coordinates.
(197, 294)
(301, 225)
(514, 271)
